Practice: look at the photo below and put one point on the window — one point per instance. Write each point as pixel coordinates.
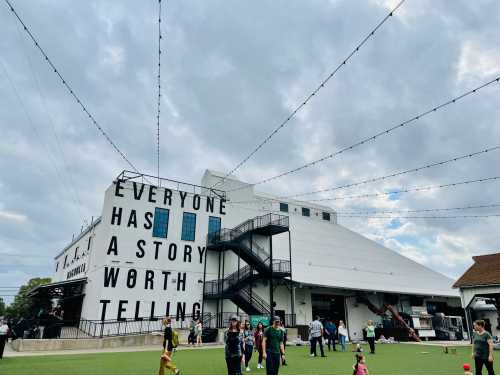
(306, 211)
(284, 207)
(326, 216)
(57, 266)
(188, 226)
(160, 225)
(213, 224)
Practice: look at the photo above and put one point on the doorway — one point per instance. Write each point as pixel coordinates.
(328, 306)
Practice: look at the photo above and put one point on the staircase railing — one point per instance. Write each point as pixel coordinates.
(255, 300)
(236, 279)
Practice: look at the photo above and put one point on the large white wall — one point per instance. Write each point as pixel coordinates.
(140, 281)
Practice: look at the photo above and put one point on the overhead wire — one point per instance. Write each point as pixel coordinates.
(159, 93)
(409, 190)
(424, 217)
(43, 103)
(384, 212)
(50, 157)
(311, 95)
(382, 178)
(373, 137)
(69, 88)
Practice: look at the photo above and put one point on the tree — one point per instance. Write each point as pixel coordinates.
(2, 307)
(23, 306)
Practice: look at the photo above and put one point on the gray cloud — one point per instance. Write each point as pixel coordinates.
(232, 72)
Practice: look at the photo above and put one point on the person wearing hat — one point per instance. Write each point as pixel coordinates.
(168, 348)
(233, 340)
(273, 347)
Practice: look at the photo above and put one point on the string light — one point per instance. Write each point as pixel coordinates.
(311, 95)
(159, 93)
(409, 190)
(423, 217)
(382, 178)
(373, 137)
(70, 89)
(378, 212)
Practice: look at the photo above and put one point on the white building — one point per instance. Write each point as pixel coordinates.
(149, 255)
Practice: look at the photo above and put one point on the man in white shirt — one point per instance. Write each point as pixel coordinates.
(316, 332)
(4, 330)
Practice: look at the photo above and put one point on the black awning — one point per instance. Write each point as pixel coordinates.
(62, 289)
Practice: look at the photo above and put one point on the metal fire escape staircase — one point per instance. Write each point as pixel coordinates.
(259, 266)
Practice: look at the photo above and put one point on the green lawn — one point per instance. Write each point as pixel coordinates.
(389, 360)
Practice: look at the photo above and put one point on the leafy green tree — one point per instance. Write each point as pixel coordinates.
(2, 307)
(23, 306)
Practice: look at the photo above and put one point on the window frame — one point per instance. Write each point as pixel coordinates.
(210, 218)
(283, 205)
(184, 215)
(155, 227)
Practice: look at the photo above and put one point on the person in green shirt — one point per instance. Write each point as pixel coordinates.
(482, 348)
(370, 336)
(273, 347)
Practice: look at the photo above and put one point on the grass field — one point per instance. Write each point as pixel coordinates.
(389, 360)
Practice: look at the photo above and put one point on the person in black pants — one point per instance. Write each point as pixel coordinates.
(370, 335)
(234, 346)
(482, 349)
(273, 347)
(316, 331)
(4, 330)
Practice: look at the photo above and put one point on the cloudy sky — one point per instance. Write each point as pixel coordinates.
(231, 72)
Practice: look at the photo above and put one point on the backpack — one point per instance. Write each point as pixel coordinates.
(175, 339)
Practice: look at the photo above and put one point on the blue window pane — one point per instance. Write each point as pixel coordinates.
(160, 225)
(188, 226)
(284, 207)
(213, 224)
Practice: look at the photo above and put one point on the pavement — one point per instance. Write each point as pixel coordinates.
(11, 353)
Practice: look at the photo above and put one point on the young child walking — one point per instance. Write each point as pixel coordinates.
(360, 365)
(168, 349)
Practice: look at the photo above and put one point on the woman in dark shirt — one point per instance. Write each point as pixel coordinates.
(482, 350)
(233, 348)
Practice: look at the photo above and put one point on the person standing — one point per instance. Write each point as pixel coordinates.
(199, 333)
(248, 339)
(192, 335)
(331, 333)
(273, 347)
(482, 349)
(370, 335)
(316, 331)
(259, 336)
(283, 328)
(233, 341)
(4, 336)
(343, 335)
(168, 349)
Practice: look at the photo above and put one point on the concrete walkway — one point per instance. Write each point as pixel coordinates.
(10, 353)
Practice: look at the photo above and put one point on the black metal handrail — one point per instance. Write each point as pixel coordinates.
(236, 279)
(228, 235)
(87, 329)
(255, 300)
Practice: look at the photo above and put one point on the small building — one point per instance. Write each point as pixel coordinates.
(164, 247)
(480, 291)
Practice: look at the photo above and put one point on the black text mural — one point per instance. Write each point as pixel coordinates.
(163, 271)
